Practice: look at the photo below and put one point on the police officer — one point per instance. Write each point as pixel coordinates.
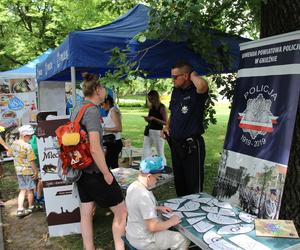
(185, 127)
(270, 205)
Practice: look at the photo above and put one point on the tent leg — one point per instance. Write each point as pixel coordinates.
(73, 81)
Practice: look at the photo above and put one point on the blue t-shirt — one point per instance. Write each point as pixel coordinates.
(187, 112)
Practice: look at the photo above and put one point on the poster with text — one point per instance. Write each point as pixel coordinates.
(61, 200)
(257, 146)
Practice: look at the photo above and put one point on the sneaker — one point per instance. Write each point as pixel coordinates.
(22, 213)
(30, 210)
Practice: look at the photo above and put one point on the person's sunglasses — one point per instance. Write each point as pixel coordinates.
(176, 76)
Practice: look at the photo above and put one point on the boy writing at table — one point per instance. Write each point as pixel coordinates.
(144, 229)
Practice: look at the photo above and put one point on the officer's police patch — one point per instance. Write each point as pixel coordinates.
(184, 109)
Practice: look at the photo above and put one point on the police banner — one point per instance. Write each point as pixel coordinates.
(254, 162)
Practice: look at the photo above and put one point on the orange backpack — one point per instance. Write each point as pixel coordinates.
(74, 145)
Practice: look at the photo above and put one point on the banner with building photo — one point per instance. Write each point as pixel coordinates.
(257, 146)
(61, 200)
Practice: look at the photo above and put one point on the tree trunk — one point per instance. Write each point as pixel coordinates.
(277, 17)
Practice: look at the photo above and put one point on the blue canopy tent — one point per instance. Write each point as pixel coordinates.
(26, 71)
(90, 50)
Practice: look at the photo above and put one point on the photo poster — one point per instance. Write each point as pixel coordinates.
(17, 85)
(254, 161)
(61, 200)
(15, 108)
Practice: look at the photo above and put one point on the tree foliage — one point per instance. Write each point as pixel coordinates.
(192, 21)
(30, 27)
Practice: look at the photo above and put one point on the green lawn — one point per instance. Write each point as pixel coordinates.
(133, 127)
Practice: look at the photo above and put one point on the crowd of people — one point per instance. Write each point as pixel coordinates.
(258, 202)
(183, 131)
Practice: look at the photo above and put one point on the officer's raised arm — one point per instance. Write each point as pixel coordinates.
(199, 82)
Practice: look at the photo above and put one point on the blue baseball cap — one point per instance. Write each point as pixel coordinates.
(152, 165)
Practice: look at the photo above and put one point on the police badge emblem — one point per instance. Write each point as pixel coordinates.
(184, 109)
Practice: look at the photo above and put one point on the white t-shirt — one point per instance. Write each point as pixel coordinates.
(109, 123)
(141, 205)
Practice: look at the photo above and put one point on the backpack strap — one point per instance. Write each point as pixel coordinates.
(81, 111)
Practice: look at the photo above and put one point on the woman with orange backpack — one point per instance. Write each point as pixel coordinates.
(97, 184)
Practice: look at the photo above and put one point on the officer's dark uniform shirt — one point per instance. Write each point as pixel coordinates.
(187, 107)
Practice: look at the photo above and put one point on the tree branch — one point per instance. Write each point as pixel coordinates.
(24, 18)
(12, 59)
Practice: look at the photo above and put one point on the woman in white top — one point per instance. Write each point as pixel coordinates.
(112, 125)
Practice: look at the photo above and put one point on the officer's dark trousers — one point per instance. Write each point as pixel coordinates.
(188, 165)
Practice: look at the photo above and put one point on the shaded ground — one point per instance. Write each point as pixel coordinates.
(27, 233)
(31, 232)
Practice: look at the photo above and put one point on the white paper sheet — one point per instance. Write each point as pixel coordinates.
(223, 245)
(191, 196)
(226, 212)
(236, 229)
(193, 214)
(176, 201)
(211, 236)
(221, 219)
(189, 206)
(202, 200)
(222, 204)
(203, 226)
(173, 206)
(194, 220)
(248, 243)
(169, 215)
(211, 202)
(247, 217)
(209, 209)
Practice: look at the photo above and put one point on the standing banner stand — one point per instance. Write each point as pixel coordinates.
(254, 162)
(18, 93)
(61, 200)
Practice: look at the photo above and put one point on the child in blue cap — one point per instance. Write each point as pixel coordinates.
(144, 229)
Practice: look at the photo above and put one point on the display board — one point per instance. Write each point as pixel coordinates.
(257, 146)
(61, 200)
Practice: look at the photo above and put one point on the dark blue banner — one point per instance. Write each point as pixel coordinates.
(262, 118)
(254, 162)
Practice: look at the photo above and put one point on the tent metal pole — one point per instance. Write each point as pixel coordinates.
(73, 81)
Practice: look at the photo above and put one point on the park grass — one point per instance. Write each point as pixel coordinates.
(134, 124)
